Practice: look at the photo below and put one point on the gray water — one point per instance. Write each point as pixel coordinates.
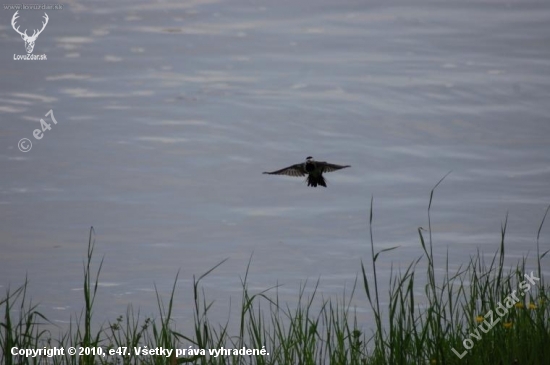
(168, 112)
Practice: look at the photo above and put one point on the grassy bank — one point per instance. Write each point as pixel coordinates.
(483, 313)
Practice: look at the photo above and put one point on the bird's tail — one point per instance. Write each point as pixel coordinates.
(316, 180)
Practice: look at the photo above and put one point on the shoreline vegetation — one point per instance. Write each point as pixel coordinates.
(484, 313)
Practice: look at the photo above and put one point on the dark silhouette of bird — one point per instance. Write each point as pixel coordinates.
(313, 169)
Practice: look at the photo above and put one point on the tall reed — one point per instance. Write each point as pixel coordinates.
(430, 317)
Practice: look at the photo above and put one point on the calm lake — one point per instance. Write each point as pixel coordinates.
(168, 113)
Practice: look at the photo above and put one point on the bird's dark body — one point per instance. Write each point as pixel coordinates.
(313, 169)
(316, 180)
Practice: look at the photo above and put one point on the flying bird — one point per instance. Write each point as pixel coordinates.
(313, 169)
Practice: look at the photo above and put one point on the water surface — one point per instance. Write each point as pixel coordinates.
(168, 112)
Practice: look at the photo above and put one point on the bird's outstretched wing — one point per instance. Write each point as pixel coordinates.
(294, 170)
(329, 167)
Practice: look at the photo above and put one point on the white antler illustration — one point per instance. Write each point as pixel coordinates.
(29, 41)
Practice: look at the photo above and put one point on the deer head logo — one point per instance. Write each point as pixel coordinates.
(29, 41)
